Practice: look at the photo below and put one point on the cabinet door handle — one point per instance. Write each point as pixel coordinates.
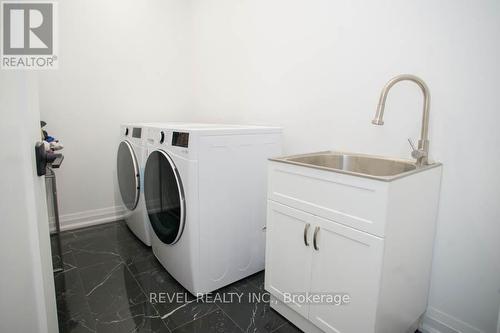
(315, 242)
(306, 230)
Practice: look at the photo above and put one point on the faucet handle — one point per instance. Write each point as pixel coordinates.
(412, 144)
(416, 153)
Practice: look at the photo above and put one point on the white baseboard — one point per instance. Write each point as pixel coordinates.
(436, 321)
(91, 217)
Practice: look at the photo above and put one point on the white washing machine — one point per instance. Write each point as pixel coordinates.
(205, 194)
(131, 156)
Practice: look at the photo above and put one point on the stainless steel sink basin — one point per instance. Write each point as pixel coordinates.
(375, 167)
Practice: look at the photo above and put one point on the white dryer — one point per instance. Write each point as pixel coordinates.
(129, 169)
(205, 194)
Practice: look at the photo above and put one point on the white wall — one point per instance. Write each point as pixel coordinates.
(120, 61)
(317, 67)
(27, 302)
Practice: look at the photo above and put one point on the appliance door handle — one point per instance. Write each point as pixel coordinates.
(315, 241)
(306, 230)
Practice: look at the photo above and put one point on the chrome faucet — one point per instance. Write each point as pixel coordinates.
(422, 152)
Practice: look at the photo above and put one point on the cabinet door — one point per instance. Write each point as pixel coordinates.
(347, 261)
(288, 258)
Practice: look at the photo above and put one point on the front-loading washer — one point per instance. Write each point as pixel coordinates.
(205, 195)
(129, 170)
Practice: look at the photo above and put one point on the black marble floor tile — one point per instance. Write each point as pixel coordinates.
(72, 308)
(257, 279)
(80, 321)
(145, 265)
(213, 322)
(65, 237)
(178, 306)
(133, 252)
(137, 318)
(121, 233)
(94, 275)
(253, 312)
(56, 261)
(61, 258)
(287, 328)
(54, 243)
(110, 288)
(178, 313)
(110, 280)
(108, 242)
(159, 281)
(66, 263)
(70, 296)
(89, 250)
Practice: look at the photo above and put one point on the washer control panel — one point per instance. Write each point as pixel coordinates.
(136, 132)
(180, 139)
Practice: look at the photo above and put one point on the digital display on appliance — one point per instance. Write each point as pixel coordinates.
(180, 139)
(136, 132)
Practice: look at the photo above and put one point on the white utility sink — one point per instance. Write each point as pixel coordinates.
(351, 224)
(369, 166)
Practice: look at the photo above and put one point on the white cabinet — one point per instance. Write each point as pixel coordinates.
(288, 251)
(343, 257)
(379, 257)
(349, 260)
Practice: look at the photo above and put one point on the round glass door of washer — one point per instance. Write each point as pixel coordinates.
(164, 196)
(127, 170)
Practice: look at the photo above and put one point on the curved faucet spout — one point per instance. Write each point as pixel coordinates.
(421, 154)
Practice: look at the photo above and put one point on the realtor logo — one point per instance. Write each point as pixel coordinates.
(28, 35)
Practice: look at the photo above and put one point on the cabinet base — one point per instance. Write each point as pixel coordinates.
(295, 318)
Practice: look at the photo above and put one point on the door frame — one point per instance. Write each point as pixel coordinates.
(28, 294)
